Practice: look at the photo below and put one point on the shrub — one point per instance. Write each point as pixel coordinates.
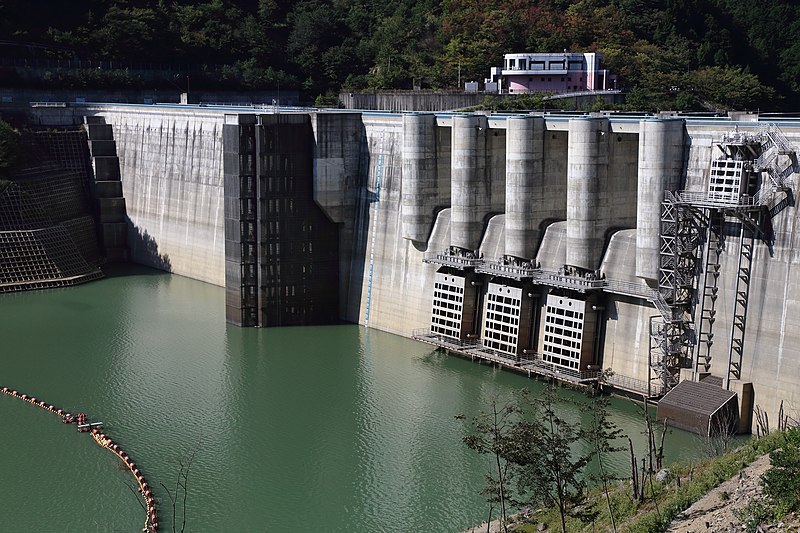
(9, 147)
(782, 481)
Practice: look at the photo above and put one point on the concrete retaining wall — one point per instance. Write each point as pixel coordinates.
(171, 169)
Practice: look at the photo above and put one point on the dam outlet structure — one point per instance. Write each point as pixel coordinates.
(661, 248)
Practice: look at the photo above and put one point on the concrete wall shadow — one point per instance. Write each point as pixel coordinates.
(144, 249)
(359, 250)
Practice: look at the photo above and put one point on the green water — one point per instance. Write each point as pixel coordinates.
(295, 429)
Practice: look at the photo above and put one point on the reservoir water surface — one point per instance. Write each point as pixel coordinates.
(335, 428)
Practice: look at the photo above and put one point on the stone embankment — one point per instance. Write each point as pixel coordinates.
(151, 521)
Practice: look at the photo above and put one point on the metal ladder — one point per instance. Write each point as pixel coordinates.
(742, 292)
(709, 294)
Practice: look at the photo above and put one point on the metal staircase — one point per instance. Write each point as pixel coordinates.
(691, 246)
(672, 334)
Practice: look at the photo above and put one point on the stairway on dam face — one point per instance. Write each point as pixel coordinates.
(107, 188)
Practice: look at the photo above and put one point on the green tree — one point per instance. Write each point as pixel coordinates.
(726, 88)
(550, 470)
(9, 147)
(492, 434)
(213, 29)
(602, 434)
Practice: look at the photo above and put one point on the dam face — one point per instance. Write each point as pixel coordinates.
(663, 249)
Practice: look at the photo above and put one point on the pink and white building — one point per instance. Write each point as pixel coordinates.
(552, 73)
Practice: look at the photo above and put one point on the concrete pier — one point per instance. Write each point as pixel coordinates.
(419, 197)
(470, 190)
(661, 147)
(524, 175)
(587, 155)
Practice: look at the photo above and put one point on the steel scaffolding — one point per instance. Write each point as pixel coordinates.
(745, 185)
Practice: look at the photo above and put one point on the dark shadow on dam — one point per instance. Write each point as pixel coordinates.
(361, 243)
(144, 248)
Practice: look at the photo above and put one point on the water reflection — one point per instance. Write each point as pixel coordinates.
(296, 429)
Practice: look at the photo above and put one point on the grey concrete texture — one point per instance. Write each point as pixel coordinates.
(114, 234)
(102, 148)
(337, 150)
(588, 167)
(524, 182)
(471, 188)
(552, 254)
(661, 166)
(111, 209)
(106, 168)
(493, 244)
(420, 184)
(171, 167)
(108, 189)
(620, 258)
(100, 132)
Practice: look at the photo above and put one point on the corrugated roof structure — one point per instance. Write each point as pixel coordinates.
(699, 407)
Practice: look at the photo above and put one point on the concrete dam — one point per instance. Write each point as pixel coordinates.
(662, 248)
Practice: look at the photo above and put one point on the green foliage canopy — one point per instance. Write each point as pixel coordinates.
(696, 54)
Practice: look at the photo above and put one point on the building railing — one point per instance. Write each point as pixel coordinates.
(453, 260)
(549, 277)
(630, 384)
(497, 268)
(582, 93)
(535, 363)
(629, 288)
(716, 199)
(425, 334)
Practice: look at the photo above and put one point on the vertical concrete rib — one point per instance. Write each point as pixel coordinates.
(420, 186)
(661, 148)
(587, 171)
(470, 195)
(524, 174)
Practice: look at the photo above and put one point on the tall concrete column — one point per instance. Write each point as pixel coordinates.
(470, 197)
(524, 174)
(661, 153)
(587, 172)
(420, 186)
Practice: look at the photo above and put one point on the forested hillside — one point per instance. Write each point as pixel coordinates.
(669, 53)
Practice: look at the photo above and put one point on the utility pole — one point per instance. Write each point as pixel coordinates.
(459, 75)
